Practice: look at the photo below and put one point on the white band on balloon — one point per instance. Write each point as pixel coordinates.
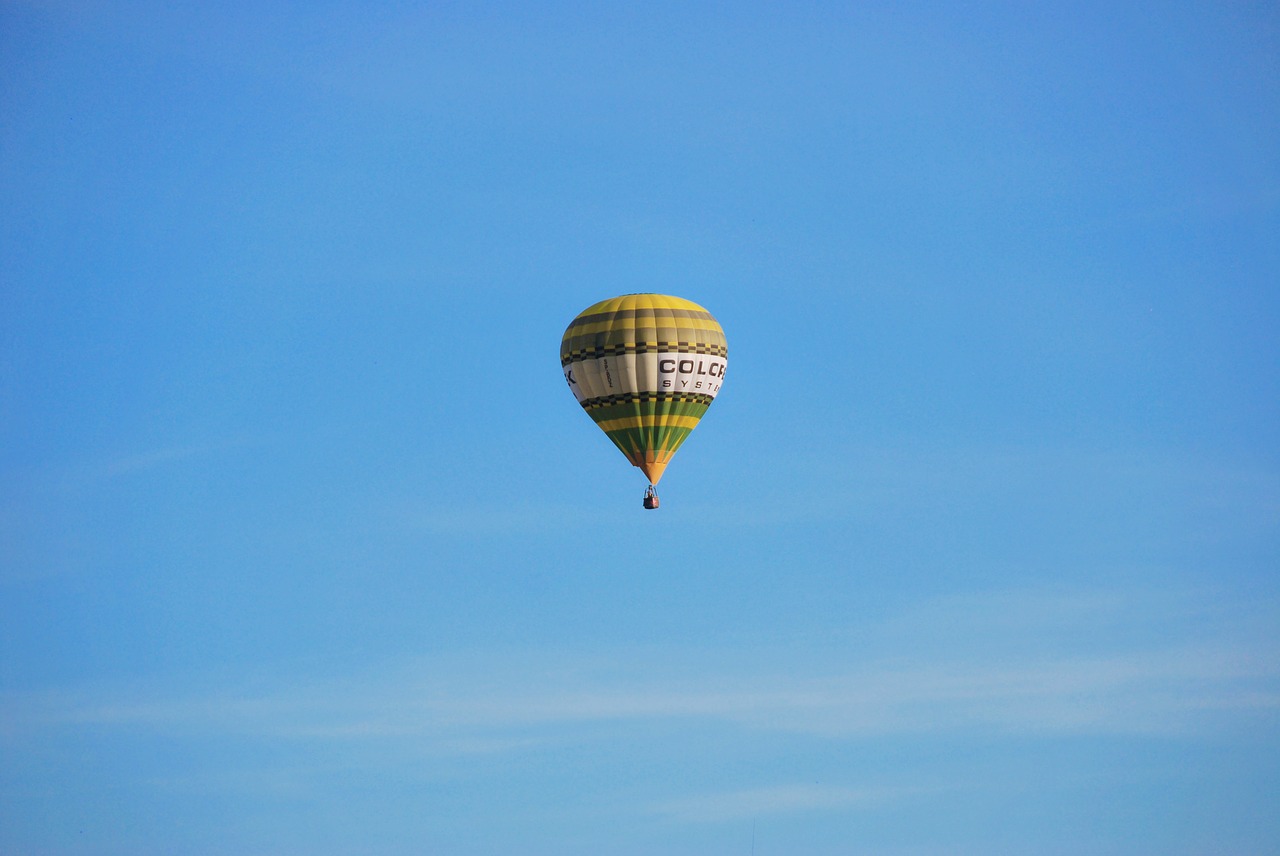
(694, 374)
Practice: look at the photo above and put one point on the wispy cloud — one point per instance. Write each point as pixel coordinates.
(129, 463)
(504, 701)
(784, 799)
(418, 516)
(1161, 491)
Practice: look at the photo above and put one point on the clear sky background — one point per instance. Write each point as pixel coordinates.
(305, 548)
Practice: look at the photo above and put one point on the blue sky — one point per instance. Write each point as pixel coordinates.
(305, 547)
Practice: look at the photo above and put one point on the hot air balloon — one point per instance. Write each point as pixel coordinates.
(645, 367)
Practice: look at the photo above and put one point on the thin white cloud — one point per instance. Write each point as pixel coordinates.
(1080, 677)
(419, 516)
(782, 799)
(127, 464)
(518, 707)
(1170, 692)
(77, 476)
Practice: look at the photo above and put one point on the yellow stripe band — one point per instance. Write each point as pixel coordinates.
(661, 421)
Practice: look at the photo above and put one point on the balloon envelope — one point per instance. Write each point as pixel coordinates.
(645, 367)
